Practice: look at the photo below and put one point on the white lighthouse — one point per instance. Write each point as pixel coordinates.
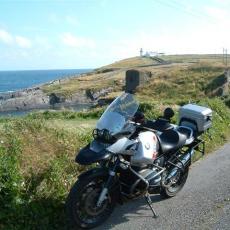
(141, 52)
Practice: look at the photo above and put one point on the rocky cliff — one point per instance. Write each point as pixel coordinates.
(220, 86)
(35, 98)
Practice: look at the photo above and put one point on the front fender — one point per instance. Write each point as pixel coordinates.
(115, 188)
(94, 172)
(87, 156)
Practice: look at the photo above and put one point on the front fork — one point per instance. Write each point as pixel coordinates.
(104, 192)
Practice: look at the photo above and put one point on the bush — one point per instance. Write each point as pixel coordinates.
(67, 114)
(36, 196)
(11, 181)
(33, 188)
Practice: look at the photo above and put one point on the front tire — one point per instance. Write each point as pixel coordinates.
(171, 191)
(81, 203)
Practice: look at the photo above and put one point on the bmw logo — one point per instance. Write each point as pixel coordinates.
(147, 146)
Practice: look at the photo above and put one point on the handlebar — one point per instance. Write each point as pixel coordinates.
(143, 127)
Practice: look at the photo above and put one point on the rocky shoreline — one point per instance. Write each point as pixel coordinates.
(35, 98)
(31, 98)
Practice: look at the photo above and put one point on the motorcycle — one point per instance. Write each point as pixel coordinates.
(134, 157)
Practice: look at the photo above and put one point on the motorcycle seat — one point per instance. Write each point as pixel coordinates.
(188, 132)
(171, 140)
(160, 124)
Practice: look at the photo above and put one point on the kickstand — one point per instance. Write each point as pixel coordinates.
(149, 202)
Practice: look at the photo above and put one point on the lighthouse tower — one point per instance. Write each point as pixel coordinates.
(141, 52)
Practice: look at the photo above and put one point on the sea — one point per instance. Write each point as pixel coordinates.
(17, 80)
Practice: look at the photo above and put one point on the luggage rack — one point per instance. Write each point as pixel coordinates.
(196, 145)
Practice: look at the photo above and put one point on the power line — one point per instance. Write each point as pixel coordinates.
(181, 7)
(178, 7)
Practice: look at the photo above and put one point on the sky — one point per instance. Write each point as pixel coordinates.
(74, 34)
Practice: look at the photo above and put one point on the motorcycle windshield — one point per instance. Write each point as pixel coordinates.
(118, 113)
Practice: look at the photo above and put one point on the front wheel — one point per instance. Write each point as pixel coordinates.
(81, 203)
(175, 187)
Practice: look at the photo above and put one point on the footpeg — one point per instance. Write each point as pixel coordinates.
(149, 202)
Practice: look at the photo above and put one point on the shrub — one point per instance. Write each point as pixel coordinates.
(34, 194)
(11, 181)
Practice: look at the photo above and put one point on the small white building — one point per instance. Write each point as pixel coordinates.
(150, 53)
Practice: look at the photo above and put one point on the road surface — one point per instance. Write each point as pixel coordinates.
(203, 203)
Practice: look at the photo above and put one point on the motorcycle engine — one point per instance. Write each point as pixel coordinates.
(133, 186)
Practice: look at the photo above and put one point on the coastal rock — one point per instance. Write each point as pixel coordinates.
(220, 86)
(24, 100)
(95, 95)
(35, 98)
(55, 99)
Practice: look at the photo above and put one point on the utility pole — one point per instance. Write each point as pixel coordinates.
(225, 56)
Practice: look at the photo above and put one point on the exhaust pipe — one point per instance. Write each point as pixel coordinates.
(185, 160)
(186, 157)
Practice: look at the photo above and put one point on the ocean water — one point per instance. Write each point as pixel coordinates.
(15, 80)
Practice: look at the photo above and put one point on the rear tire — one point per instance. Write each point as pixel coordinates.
(81, 203)
(168, 192)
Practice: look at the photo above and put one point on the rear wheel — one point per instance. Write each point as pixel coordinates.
(176, 185)
(81, 203)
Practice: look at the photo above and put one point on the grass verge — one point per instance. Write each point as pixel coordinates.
(37, 165)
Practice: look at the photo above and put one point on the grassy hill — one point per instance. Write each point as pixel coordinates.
(181, 72)
(37, 151)
(195, 58)
(130, 63)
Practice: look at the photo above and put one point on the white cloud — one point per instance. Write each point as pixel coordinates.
(217, 13)
(205, 38)
(13, 40)
(71, 40)
(222, 2)
(6, 37)
(23, 42)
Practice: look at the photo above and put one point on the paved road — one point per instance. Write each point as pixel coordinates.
(204, 202)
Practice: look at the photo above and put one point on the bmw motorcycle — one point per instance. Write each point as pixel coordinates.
(134, 157)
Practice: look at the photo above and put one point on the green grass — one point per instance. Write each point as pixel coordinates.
(130, 63)
(212, 58)
(37, 170)
(79, 85)
(37, 151)
(181, 85)
(37, 165)
(181, 81)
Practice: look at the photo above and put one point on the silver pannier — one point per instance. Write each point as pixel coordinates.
(197, 117)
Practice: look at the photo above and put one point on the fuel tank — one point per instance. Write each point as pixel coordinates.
(146, 149)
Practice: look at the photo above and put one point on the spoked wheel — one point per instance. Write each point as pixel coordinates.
(176, 185)
(82, 203)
